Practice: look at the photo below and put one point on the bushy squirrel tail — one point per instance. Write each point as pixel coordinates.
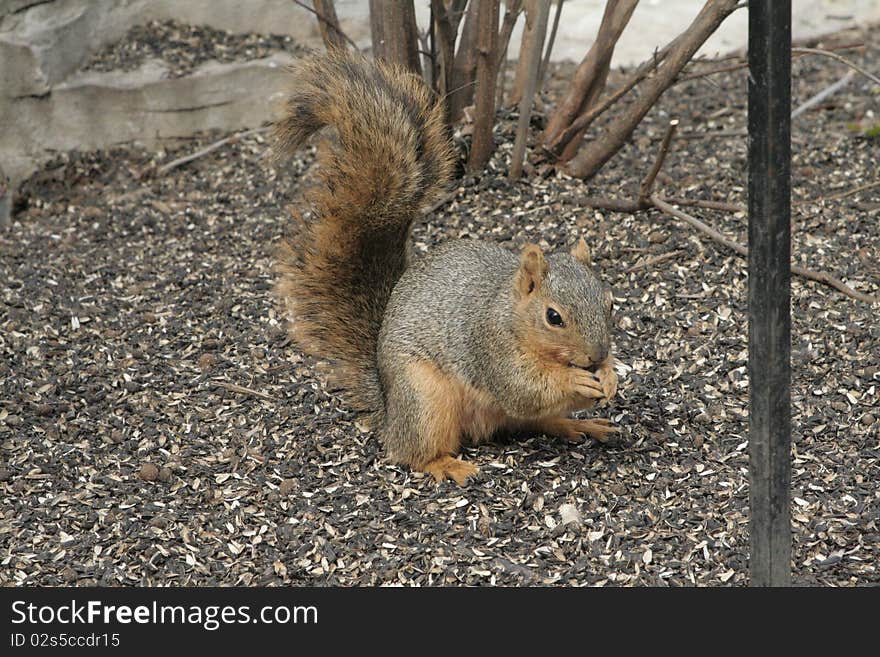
(391, 157)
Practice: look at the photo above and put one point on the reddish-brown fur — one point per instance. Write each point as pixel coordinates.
(392, 156)
(453, 413)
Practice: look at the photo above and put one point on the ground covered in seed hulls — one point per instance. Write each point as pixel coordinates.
(157, 426)
(184, 47)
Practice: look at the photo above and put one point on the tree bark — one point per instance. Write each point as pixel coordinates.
(328, 24)
(401, 34)
(487, 70)
(511, 13)
(533, 58)
(583, 121)
(545, 63)
(528, 37)
(464, 68)
(446, 23)
(599, 151)
(589, 79)
(377, 29)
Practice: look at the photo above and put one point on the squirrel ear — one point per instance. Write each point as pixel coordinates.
(581, 252)
(532, 270)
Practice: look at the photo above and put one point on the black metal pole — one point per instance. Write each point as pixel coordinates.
(769, 291)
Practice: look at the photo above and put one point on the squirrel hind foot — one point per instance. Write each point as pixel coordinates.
(446, 467)
(598, 428)
(575, 430)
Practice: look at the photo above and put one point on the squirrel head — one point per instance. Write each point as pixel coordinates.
(563, 311)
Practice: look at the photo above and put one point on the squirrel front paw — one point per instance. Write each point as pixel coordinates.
(608, 379)
(585, 383)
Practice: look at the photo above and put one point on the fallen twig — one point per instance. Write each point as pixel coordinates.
(648, 182)
(828, 279)
(244, 391)
(613, 204)
(646, 200)
(839, 58)
(439, 203)
(856, 190)
(624, 205)
(663, 206)
(709, 205)
(656, 260)
(818, 276)
(643, 202)
(741, 65)
(840, 195)
(828, 91)
(714, 133)
(173, 164)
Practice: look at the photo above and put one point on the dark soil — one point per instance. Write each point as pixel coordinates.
(133, 305)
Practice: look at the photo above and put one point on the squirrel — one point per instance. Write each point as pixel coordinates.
(467, 341)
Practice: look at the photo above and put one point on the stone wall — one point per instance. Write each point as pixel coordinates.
(49, 104)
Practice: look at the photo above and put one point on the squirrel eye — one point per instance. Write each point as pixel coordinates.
(554, 318)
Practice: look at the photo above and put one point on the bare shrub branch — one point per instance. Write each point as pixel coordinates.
(331, 34)
(597, 152)
(533, 58)
(401, 34)
(487, 60)
(550, 41)
(589, 79)
(464, 67)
